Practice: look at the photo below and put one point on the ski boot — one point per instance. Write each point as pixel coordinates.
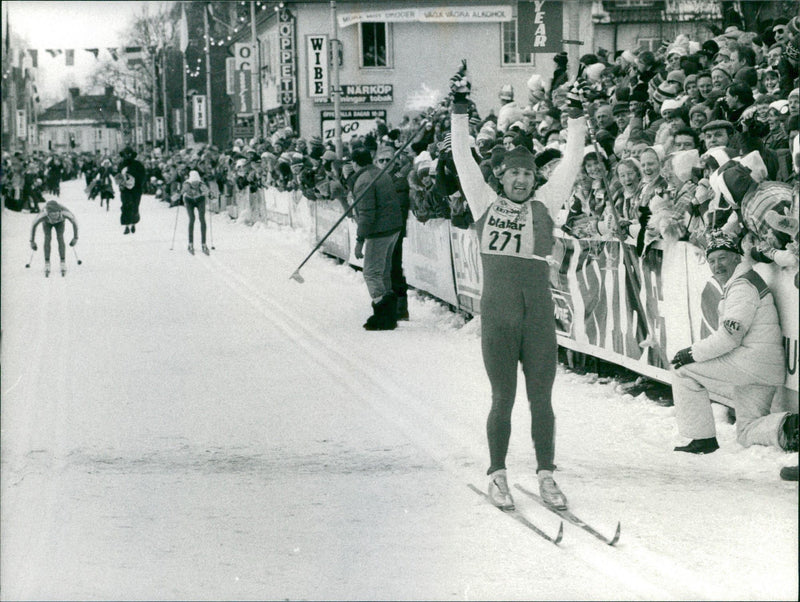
(205, 250)
(63, 267)
(549, 491)
(191, 249)
(499, 494)
(47, 269)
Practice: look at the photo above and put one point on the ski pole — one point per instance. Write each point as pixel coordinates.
(296, 274)
(629, 263)
(76, 256)
(27, 265)
(175, 229)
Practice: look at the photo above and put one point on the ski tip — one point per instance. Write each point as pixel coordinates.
(297, 277)
(560, 534)
(615, 539)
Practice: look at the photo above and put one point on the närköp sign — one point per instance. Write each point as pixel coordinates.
(360, 93)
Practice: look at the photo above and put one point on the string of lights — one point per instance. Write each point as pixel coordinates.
(242, 23)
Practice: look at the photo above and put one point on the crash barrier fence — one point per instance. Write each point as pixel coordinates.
(633, 318)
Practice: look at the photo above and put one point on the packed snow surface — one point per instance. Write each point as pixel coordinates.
(189, 427)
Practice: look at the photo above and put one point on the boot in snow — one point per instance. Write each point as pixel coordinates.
(789, 473)
(790, 432)
(205, 250)
(549, 491)
(191, 249)
(402, 308)
(127, 230)
(46, 269)
(63, 268)
(700, 446)
(499, 494)
(372, 321)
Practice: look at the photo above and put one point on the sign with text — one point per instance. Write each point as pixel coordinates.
(354, 123)
(230, 68)
(431, 14)
(317, 63)
(286, 54)
(22, 124)
(242, 94)
(540, 26)
(360, 93)
(244, 56)
(199, 111)
(177, 122)
(159, 128)
(33, 135)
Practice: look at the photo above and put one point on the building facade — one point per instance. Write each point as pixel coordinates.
(95, 123)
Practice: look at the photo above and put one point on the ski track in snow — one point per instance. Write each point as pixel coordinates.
(415, 398)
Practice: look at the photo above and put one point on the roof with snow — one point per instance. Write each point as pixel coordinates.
(95, 107)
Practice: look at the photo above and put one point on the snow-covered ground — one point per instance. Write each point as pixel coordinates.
(188, 427)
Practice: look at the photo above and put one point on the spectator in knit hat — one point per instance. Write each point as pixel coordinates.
(721, 78)
(742, 360)
(699, 116)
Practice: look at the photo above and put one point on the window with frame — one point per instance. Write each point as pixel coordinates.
(99, 134)
(375, 44)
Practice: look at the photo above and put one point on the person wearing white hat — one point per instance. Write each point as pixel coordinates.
(194, 194)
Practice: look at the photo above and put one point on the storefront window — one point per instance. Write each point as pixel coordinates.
(510, 46)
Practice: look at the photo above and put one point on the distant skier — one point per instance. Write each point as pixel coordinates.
(131, 182)
(53, 219)
(194, 193)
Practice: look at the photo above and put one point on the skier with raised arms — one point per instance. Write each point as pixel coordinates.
(515, 230)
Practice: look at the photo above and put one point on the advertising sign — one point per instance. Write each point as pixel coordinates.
(317, 63)
(159, 128)
(359, 93)
(244, 56)
(286, 53)
(242, 96)
(540, 26)
(354, 122)
(199, 111)
(22, 124)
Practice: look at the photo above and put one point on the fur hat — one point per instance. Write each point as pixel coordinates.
(547, 156)
(194, 176)
(682, 163)
(507, 92)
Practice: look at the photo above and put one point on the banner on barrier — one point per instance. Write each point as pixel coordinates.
(427, 259)
(467, 261)
(338, 243)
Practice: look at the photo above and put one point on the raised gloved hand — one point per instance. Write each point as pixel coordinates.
(683, 357)
(575, 96)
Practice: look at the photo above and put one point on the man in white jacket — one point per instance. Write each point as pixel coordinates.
(742, 360)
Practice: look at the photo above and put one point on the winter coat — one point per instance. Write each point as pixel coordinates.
(749, 332)
(379, 211)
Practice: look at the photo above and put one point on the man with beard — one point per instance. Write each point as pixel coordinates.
(131, 181)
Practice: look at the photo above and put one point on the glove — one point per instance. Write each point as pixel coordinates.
(574, 94)
(683, 357)
(359, 252)
(73, 242)
(785, 259)
(33, 246)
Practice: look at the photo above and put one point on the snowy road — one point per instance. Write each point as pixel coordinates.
(190, 427)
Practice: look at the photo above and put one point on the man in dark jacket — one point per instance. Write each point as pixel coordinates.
(131, 182)
(379, 220)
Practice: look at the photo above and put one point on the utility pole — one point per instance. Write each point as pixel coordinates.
(164, 96)
(155, 100)
(337, 109)
(208, 73)
(256, 71)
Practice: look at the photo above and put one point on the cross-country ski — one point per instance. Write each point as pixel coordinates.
(518, 516)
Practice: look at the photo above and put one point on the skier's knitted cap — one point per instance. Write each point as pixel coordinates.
(717, 240)
(52, 207)
(194, 176)
(519, 156)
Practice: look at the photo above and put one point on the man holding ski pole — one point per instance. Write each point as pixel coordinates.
(515, 229)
